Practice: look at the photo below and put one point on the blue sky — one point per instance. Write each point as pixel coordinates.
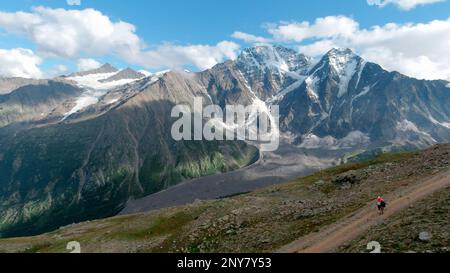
(207, 23)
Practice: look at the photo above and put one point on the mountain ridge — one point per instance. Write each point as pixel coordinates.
(103, 69)
(105, 144)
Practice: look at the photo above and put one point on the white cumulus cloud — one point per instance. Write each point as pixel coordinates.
(68, 33)
(249, 38)
(19, 62)
(325, 27)
(87, 64)
(75, 33)
(56, 71)
(175, 56)
(403, 4)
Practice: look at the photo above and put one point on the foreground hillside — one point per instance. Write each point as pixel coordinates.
(403, 231)
(268, 219)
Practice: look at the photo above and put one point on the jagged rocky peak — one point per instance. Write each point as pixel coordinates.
(106, 68)
(342, 59)
(276, 57)
(268, 69)
(339, 51)
(341, 65)
(126, 74)
(131, 74)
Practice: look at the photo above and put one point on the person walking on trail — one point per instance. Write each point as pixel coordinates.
(381, 204)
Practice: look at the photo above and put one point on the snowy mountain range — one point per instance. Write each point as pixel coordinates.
(79, 147)
(343, 95)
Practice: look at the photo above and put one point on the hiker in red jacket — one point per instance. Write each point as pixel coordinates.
(381, 204)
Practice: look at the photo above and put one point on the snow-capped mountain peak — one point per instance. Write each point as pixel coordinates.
(267, 69)
(342, 65)
(276, 58)
(105, 77)
(341, 60)
(99, 82)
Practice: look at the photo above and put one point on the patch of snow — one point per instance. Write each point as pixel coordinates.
(278, 97)
(161, 73)
(295, 75)
(362, 65)
(88, 98)
(443, 124)
(156, 76)
(113, 101)
(268, 57)
(258, 108)
(448, 85)
(346, 76)
(365, 91)
(311, 114)
(339, 59)
(95, 89)
(150, 82)
(145, 72)
(345, 64)
(247, 85)
(407, 125)
(272, 58)
(311, 83)
(317, 69)
(93, 81)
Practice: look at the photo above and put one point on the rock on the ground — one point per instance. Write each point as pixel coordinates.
(425, 236)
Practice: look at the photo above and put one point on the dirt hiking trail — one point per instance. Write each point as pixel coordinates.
(350, 227)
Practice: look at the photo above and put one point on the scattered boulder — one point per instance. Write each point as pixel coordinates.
(348, 178)
(231, 232)
(321, 183)
(425, 236)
